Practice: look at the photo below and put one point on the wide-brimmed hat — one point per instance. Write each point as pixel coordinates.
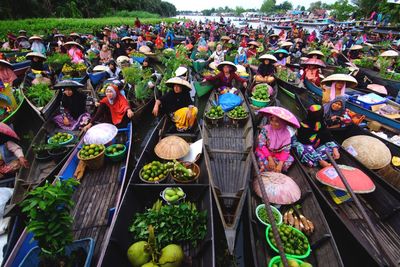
(283, 51)
(240, 68)
(225, 37)
(298, 40)
(68, 83)
(283, 44)
(35, 54)
(356, 47)
(254, 43)
(274, 35)
(126, 38)
(269, 57)
(180, 81)
(122, 59)
(35, 37)
(106, 29)
(244, 34)
(5, 63)
(389, 53)
(73, 43)
(21, 31)
(145, 49)
(334, 51)
(225, 63)
(282, 114)
(74, 34)
(172, 147)
(100, 68)
(315, 52)
(22, 37)
(180, 71)
(315, 62)
(59, 35)
(350, 80)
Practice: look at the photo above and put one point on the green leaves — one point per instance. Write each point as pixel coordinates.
(172, 224)
(39, 94)
(48, 210)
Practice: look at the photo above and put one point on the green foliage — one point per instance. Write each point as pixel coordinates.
(48, 210)
(239, 10)
(42, 26)
(132, 14)
(341, 70)
(342, 9)
(57, 60)
(268, 6)
(139, 79)
(364, 62)
(172, 224)
(40, 94)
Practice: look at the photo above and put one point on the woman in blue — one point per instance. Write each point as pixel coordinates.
(169, 39)
(241, 57)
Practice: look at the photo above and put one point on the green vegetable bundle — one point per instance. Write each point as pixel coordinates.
(39, 94)
(172, 223)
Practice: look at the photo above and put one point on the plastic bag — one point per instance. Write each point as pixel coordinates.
(229, 101)
(5, 195)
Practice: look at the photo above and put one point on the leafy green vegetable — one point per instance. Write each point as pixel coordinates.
(172, 224)
(39, 94)
(364, 62)
(57, 60)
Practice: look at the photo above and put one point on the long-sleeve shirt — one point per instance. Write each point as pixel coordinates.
(220, 79)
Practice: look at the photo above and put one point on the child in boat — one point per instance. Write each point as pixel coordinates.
(313, 139)
(73, 106)
(178, 104)
(266, 70)
(335, 114)
(273, 146)
(114, 108)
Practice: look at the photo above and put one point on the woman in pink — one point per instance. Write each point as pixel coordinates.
(273, 146)
(7, 75)
(75, 53)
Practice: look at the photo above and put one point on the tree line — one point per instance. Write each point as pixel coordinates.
(11, 9)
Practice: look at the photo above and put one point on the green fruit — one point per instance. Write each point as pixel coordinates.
(171, 256)
(150, 264)
(305, 264)
(170, 192)
(180, 193)
(119, 146)
(138, 253)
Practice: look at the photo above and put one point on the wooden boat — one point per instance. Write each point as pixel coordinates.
(324, 250)
(392, 86)
(20, 68)
(382, 207)
(392, 123)
(282, 27)
(227, 156)
(95, 198)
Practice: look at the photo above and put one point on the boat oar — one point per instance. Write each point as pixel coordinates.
(270, 215)
(370, 225)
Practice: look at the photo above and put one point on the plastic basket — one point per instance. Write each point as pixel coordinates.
(151, 182)
(194, 167)
(274, 210)
(277, 260)
(259, 103)
(116, 157)
(202, 89)
(305, 255)
(49, 141)
(95, 162)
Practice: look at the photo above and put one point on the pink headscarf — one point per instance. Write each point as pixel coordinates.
(278, 138)
(333, 91)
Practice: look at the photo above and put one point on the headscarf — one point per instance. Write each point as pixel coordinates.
(118, 105)
(329, 112)
(312, 126)
(75, 104)
(7, 75)
(278, 138)
(266, 69)
(332, 95)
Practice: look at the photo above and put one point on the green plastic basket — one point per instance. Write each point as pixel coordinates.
(277, 260)
(118, 156)
(202, 89)
(259, 103)
(305, 255)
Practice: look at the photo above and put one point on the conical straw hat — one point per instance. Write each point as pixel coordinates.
(172, 147)
(350, 80)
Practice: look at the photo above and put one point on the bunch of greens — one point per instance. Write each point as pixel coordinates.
(133, 74)
(40, 94)
(138, 78)
(172, 223)
(171, 63)
(57, 60)
(341, 70)
(282, 74)
(48, 209)
(326, 51)
(364, 62)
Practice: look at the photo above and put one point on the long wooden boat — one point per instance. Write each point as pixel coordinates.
(395, 124)
(118, 239)
(95, 198)
(227, 156)
(324, 250)
(382, 206)
(20, 68)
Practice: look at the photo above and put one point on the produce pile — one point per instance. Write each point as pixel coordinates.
(156, 171)
(136, 54)
(215, 112)
(115, 149)
(238, 113)
(181, 223)
(261, 92)
(262, 214)
(91, 151)
(73, 70)
(292, 263)
(40, 94)
(60, 138)
(299, 222)
(294, 243)
(181, 172)
(173, 194)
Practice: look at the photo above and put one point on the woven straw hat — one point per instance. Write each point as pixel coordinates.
(315, 52)
(180, 81)
(223, 63)
(172, 147)
(35, 54)
(356, 47)
(269, 57)
(350, 80)
(389, 53)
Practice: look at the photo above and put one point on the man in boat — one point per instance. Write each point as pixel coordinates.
(177, 104)
(226, 76)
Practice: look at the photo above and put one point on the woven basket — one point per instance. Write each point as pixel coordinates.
(94, 163)
(194, 167)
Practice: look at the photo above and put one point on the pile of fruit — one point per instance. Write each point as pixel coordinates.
(294, 242)
(215, 112)
(181, 173)
(90, 151)
(60, 137)
(261, 93)
(156, 171)
(292, 263)
(238, 113)
(115, 149)
(262, 214)
(173, 194)
(136, 54)
(299, 222)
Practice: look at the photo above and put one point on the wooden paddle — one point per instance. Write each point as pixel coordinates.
(370, 225)
(270, 215)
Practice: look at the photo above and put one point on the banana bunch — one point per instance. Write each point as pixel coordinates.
(298, 221)
(157, 205)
